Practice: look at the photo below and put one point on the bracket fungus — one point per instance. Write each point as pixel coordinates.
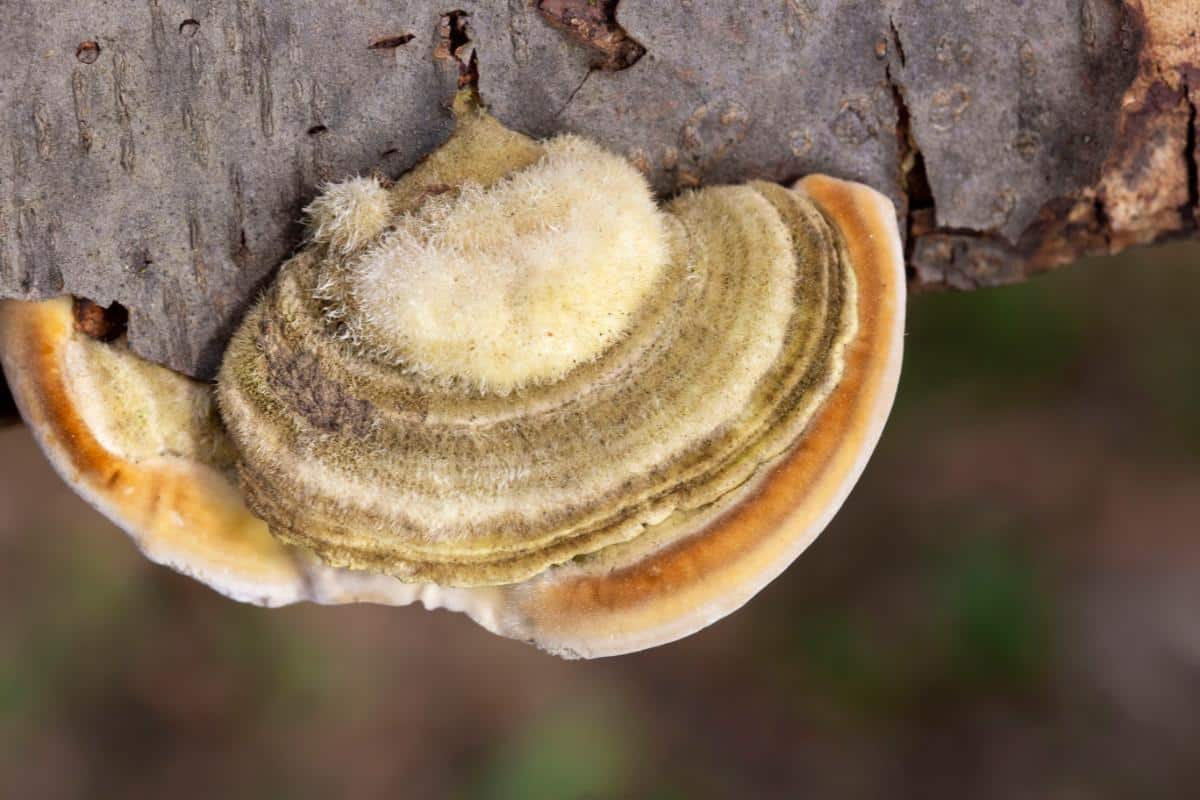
(512, 384)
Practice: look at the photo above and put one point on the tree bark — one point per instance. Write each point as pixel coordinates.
(158, 153)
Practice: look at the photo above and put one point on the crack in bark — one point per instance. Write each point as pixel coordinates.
(1103, 222)
(918, 212)
(455, 43)
(895, 36)
(391, 42)
(563, 109)
(1189, 158)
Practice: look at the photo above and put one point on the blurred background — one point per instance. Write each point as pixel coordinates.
(1008, 606)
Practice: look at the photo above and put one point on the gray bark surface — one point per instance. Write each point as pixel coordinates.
(158, 153)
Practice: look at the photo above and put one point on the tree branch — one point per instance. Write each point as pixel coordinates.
(160, 159)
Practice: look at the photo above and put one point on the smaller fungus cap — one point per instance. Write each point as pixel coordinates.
(144, 446)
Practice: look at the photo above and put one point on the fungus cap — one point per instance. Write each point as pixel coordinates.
(679, 456)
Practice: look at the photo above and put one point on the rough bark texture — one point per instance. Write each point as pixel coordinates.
(158, 153)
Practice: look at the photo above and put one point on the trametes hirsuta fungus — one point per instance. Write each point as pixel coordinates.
(510, 384)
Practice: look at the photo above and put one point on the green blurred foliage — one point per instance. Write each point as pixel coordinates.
(47, 648)
(992, 616)
(975, 622)
(993, 345)
(573, 753)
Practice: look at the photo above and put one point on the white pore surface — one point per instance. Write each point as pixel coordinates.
(519, 282)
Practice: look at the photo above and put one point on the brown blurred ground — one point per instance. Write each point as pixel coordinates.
(1009, 606)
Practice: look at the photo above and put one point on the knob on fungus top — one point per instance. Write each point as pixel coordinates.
(511, 384)
(495, 287)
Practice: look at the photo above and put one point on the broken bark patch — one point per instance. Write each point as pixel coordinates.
(98, 322)
(594, 24)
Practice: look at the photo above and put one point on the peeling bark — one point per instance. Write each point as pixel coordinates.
(594, 24)
(157, 153)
